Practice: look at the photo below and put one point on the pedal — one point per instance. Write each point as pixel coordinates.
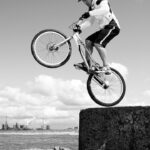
(77, 67)
(80, 68)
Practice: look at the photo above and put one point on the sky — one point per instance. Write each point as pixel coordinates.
(31, 93)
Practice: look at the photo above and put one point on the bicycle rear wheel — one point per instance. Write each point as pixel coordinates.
(106, 90)
(44, 51)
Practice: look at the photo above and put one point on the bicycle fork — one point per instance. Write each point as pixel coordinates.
(103, 84)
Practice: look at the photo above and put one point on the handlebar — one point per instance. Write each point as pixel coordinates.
(72, 26)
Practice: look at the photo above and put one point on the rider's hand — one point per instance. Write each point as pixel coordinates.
(85, 15)
(77, 28)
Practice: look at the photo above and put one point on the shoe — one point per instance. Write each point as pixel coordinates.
(81, 66)
(107, 70)
(97, 67)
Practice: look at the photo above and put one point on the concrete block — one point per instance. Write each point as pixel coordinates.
(116, 128)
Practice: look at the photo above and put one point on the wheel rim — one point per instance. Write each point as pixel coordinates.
(110, 95)
(45, 51)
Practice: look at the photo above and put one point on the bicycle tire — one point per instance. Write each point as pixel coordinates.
(47, 63)
(100, 100)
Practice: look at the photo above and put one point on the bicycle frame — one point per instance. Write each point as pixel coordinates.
(79, 43)
(83, 53)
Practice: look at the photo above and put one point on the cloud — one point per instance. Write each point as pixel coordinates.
(121, 68)
(53, 99)
(15, 97)
(68, 92)
(45, 97)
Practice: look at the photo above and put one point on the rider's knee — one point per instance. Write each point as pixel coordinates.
(89, 44)
(97, 45)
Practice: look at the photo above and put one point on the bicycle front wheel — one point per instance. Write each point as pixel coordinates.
(106, 90)
(44, 51)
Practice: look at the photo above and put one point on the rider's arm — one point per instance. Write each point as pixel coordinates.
(101, 10)
(87, 23)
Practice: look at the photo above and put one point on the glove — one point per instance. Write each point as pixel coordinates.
(86, 15)
(77, 28)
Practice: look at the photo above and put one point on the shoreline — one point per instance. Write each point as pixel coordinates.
(38, 133)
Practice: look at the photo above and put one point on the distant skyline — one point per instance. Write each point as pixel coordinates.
(30, 125)
(28, 90)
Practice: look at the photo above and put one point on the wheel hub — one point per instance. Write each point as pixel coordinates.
(51, 47)
(106, 85)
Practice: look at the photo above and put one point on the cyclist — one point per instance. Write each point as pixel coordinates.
(100, 11)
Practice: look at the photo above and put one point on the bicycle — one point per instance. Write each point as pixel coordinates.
(52, 48)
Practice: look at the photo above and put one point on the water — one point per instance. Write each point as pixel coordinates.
(37, 141)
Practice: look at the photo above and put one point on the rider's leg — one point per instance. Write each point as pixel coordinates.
(103, 53)
(104, 37)
(89, 46)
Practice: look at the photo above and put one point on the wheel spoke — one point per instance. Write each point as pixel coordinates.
(44, 52)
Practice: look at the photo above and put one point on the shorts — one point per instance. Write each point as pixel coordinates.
(105, 35)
